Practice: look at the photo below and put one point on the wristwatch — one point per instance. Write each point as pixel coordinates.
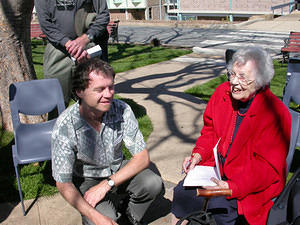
(90, 37)
(110, 182)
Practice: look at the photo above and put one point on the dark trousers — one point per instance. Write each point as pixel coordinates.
(185, 201)
(141, 191)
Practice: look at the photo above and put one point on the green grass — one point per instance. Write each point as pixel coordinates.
(144, 121)
(122, 57)
(36, 179)
(126, 57)
(204, 91)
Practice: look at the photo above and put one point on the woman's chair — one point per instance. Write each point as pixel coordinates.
(292, 94)
(293, 67)
(33, 141)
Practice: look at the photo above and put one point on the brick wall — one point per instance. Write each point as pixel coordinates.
(132, 15)
(237, 5)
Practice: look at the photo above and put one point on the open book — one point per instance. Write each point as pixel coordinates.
(201, 175)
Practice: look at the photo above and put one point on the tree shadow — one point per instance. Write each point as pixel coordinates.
(169, 87)
(9, 194)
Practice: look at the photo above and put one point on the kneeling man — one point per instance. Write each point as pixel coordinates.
(87, 160)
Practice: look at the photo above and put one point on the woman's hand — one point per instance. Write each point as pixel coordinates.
(220, 185)
(190, 162)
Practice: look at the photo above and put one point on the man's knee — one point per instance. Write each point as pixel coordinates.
(150, 183)
(154, 185)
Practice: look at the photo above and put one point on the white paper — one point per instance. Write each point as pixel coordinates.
(201, 175)
(94, 51)
(217, 160)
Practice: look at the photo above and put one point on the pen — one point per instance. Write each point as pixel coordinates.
(187, 166)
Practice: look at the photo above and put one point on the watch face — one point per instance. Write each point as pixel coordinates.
(111, 183)
(90, 37)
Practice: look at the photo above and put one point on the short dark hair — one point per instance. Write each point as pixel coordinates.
(80, 78)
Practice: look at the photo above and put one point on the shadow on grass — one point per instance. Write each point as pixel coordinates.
(138, 110)
(123, 48)
(9, 194)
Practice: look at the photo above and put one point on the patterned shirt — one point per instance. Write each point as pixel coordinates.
(78, 149)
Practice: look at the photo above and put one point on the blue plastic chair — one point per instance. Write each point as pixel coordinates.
(33, 141)
(293, 66)
(292, 94)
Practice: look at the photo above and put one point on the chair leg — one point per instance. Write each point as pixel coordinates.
(205, 204)
(20, 191)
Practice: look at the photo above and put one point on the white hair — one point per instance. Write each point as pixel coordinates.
(262, 60)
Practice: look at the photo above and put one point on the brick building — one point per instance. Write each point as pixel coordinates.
(222, 8)
(193, 9)
(136, 9)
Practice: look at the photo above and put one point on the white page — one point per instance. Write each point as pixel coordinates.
(217, 160)
(201, 175)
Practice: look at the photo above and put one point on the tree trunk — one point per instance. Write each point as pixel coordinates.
(15, 52)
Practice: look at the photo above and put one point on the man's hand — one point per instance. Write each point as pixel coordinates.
(103, 220)
(71, 194)
(96, 193)
(76, 48)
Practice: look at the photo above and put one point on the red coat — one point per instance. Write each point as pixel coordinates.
(255, 166)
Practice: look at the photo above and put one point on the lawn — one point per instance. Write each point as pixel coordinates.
(36, 179)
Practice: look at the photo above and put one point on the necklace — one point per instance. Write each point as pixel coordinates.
(241, 114)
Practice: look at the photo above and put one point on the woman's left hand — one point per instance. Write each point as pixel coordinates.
(220, 185)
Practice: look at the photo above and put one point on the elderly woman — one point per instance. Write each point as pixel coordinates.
(254, 127)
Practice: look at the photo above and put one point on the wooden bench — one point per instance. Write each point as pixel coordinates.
(112, 29)
(291, 45)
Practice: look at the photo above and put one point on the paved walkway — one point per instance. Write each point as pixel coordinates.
(176, 119)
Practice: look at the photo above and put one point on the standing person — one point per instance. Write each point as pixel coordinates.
(57, 20)
(253, 126)
(87, 160)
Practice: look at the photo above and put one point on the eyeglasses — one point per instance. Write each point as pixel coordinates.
(242, 80)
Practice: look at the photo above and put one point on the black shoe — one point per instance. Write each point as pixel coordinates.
(131, 218)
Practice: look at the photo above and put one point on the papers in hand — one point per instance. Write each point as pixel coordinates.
(94, 51)
(201, 175)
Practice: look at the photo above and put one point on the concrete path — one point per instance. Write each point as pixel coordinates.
(176, 116)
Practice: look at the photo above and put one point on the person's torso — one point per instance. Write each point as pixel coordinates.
(62, 13)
